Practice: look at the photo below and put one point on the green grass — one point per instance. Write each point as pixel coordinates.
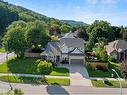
(2, 50)
(52, 81)
(114, 84)
(29, 66)
(108, 73)
(60, 71)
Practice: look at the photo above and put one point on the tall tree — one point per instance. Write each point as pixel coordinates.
(65, 28)
(36, 34)
(14, 40)
(81, 33)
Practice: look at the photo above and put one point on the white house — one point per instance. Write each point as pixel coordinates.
(68, 49)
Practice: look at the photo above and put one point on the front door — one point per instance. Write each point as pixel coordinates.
(57, 58)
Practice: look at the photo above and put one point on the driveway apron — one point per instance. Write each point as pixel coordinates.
(79, 75)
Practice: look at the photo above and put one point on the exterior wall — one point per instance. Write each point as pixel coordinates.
(76, 57)
(53, 58)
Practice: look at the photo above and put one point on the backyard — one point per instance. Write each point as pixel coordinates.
(108, 73)
(29, 66)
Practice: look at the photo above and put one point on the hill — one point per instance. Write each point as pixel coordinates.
(10, 13)
(75, 23)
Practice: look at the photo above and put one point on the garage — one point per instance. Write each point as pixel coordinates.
(76, 61)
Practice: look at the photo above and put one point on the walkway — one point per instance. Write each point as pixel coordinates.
(113, 79)
(32, 75)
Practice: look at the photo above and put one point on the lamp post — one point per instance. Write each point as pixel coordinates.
(118, 80)
(11, 88)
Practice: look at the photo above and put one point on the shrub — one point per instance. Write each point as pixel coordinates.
(45, 67)
(14, 92)
(18, 92)
(111, 59)
(100, 67)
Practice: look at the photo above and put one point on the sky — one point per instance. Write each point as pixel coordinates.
(113, 11)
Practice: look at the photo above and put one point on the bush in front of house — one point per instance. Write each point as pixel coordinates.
(44, 67)
(100, 67)
(111, 59)
(101, 54)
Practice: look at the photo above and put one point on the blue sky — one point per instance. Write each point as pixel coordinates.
(114, 11)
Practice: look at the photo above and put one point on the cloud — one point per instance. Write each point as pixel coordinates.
(102, 1)
(78, 7)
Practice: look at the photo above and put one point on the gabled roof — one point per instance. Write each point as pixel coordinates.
(117, 45)
(73, 42)
(52, 48)
(76, 51)
(70, 35)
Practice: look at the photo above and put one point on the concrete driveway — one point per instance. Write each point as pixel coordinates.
(78, 75)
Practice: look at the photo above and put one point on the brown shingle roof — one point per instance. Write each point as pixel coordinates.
(117, 45)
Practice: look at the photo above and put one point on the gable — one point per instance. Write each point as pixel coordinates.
(76, 51)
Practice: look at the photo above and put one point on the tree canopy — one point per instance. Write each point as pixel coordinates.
(36, 34)
(14, 40)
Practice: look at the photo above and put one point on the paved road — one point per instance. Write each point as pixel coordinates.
(3, 57)
(33, 89)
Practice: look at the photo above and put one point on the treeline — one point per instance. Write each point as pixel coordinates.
(97, 32)
(102, 32)
(10, 13)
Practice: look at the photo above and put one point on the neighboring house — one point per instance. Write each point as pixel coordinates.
(68, 49)
(117, 49)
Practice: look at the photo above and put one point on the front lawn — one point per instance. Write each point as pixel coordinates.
(115, 84)
(29, 66)
(108, 73)
(60, 71)
(48, 81)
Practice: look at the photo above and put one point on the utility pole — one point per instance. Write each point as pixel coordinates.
(118, 80)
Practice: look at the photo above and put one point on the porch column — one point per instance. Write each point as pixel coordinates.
(69, 60)
(55, 59)
(124, 56)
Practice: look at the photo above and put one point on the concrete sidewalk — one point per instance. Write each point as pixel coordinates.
(33, 75)
(113, 79)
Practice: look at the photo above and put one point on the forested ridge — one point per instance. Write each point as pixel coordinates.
(98, 32)
(10, 13)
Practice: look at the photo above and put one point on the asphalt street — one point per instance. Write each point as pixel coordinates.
(35, 89)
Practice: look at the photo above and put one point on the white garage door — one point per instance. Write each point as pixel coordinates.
(76, 61)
